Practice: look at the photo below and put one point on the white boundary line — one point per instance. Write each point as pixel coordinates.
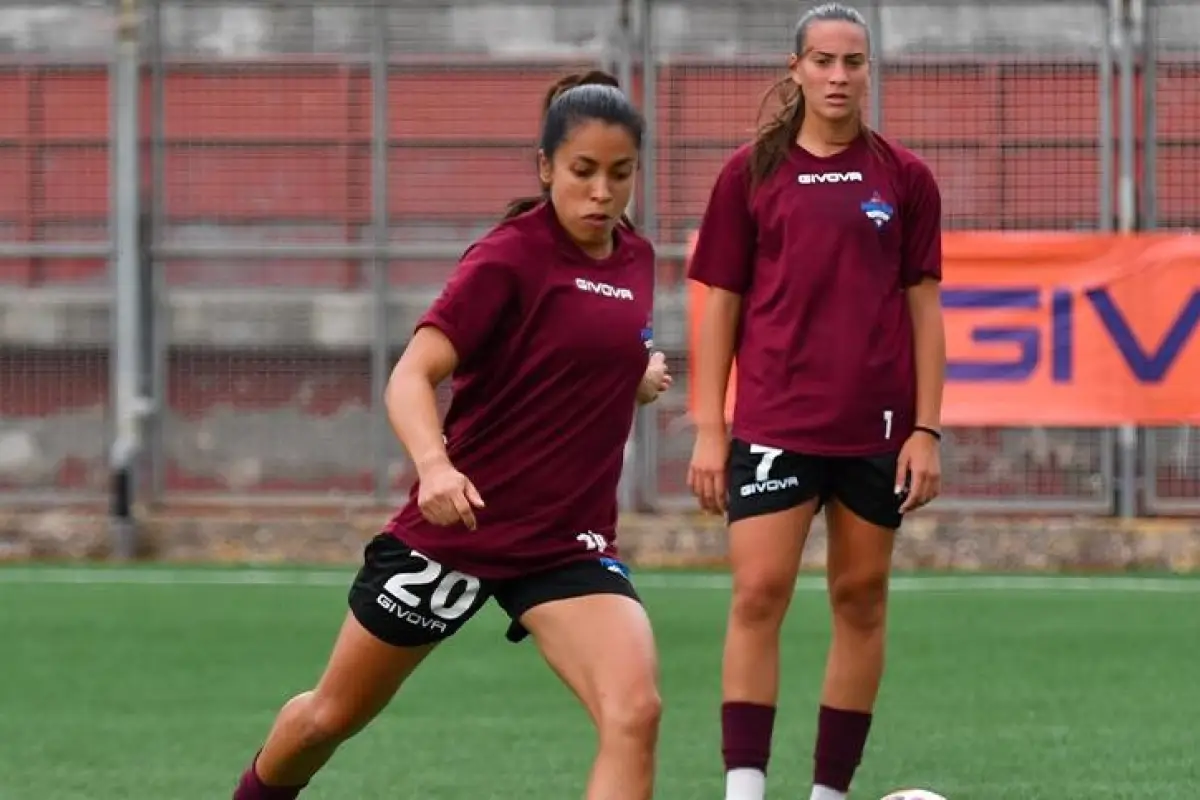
(163, 576)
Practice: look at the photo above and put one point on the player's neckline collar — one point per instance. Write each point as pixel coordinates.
(850, 150)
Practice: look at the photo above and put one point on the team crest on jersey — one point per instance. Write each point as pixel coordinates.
(877, 210)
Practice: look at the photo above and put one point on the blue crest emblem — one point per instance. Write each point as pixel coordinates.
(877, 210)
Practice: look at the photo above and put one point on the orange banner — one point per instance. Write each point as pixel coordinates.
(1064, 329)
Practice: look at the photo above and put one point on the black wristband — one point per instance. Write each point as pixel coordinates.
(934, 432)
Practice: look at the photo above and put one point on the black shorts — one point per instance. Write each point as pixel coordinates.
(764, 480)
(406, 599)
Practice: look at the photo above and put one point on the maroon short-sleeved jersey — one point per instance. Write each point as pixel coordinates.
(552, 345)
(821, 254)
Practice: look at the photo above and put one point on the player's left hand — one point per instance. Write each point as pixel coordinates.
(656, 380)
(920, 467)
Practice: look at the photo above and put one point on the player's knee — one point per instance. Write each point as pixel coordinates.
(325, 721)
(859, 600)
(760, 597)
(631, 715)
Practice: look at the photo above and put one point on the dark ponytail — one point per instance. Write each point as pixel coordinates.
(776, 136)
(573, 99)
(522, 205)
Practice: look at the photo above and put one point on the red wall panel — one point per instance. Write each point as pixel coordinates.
(940, 103)
(265, 145)
(459, 181)
(74, 105)
(258, 182)
(14, 110)
(261, 105)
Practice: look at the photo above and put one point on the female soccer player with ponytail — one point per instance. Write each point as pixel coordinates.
(542, 327)
(822, 247)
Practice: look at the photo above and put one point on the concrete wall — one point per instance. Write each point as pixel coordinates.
(930, 541)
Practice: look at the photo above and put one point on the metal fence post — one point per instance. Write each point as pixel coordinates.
(647, 418)
(620, 60)
(1148, 205)
(1122, 11)
(875, 27)
(1148, 214)
(623, 40)
(1107, 139)
(125, 271)
(379, 264)
(1122, 18)
(159, 344)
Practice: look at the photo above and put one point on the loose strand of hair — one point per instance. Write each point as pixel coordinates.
(873, 143)
(774, 138)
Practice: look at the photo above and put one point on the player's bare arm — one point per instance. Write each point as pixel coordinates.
(920, 456)
(706, 474)
(446, 496)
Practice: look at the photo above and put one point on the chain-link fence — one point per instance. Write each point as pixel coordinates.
(54, 247)
(313, 169)
(317, 171)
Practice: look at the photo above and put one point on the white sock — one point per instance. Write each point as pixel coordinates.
(745, 784)
(825, 793)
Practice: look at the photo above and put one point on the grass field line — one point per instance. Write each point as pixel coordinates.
(163, 576)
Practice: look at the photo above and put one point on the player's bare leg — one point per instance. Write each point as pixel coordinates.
(602, 647)
(361, 678)
(860, 558)
(764, 553)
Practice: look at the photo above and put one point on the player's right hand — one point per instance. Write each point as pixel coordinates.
(446, 497)
(706, 473)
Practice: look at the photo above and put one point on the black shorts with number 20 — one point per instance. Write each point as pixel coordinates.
(765, 480)
(406, 599)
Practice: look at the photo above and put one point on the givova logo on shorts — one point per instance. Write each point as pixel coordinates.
(763, 483)
(769, 486)
(453, 595)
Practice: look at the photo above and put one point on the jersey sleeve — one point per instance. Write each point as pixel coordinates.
(724, 252)
(474, 301)
(921, 227)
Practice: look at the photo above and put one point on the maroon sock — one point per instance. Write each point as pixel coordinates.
(251, 787)
(746, 730)
(841, 739)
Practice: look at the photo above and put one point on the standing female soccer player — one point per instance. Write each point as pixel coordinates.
(821, 245)
(544, 328)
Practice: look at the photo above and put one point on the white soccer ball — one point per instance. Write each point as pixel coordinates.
(914, 794)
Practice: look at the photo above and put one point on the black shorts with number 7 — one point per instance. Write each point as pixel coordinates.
(407, 599)
(766, 480)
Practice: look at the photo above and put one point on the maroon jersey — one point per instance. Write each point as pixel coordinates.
(552, 347)
(821, 253)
